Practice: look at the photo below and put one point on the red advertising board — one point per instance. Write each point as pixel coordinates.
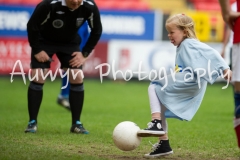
(14, 51)
(97, 57)
(15, 56)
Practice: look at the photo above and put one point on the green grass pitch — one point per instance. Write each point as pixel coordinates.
(209, 136)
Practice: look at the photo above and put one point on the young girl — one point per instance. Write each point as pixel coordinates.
(183, 95)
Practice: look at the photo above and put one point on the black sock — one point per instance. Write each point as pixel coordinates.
(76, 98)
(35, 94)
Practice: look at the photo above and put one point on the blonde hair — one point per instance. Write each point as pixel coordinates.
(184, 23)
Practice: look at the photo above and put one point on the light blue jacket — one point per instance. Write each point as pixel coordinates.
(183, 95)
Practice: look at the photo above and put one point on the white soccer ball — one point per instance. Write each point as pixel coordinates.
(125, 136)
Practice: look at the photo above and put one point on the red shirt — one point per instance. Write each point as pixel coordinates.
(236, 28)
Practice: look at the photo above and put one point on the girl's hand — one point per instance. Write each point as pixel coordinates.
(227, 73)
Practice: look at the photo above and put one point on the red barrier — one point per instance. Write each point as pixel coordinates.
(20, 2)
(102, 4)
(31, 2)
(122, 5)
(15, 56)
(14, 50)
(97, 57)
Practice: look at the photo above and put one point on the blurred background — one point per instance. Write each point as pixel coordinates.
(134, 36)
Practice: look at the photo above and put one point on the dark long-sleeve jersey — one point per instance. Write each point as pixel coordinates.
(54, 23)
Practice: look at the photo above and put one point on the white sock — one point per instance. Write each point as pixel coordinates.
(155, 105)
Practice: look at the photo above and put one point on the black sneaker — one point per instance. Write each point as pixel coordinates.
(154, 129)
(64, 102)
(160, 149)
(32, 127)
(78, 128)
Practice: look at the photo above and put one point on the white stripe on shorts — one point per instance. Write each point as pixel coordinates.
(236, 62)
